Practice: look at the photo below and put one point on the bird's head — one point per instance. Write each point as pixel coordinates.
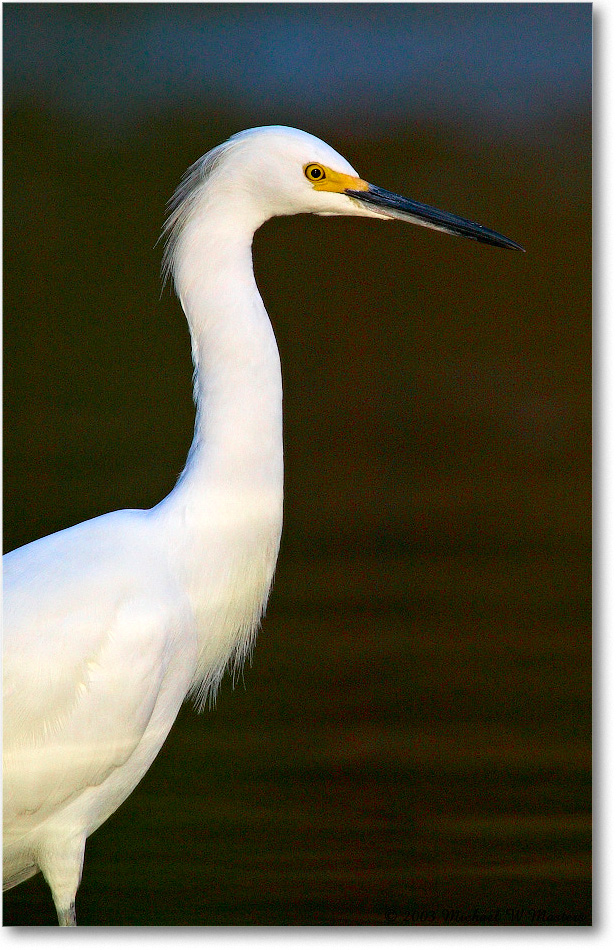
(286, 171)
(274, 170)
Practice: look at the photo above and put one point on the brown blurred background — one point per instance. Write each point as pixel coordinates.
(411, 743)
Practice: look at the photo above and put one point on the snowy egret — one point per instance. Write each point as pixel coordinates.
(111, 624)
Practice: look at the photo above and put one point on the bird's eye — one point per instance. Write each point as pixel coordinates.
(314, 172)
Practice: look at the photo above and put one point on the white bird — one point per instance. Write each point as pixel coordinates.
(111, 624)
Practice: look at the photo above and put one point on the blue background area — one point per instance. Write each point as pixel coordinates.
(372, 65)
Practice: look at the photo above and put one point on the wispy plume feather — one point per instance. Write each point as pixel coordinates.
(182, 204)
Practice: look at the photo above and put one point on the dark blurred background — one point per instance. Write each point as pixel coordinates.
(411, 743)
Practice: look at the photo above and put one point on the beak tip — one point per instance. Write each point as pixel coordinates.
(508, 244)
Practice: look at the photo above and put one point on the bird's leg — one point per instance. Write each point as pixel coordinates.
(66, 917)
(61, 863)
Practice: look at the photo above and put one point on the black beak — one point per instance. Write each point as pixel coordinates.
(394, 206)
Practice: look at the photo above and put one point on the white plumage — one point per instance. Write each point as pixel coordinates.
(109, 625)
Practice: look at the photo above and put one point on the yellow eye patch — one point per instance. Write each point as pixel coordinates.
(325, 179)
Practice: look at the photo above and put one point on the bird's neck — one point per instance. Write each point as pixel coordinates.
(235, 461)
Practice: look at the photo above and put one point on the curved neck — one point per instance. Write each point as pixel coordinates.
(237, 445)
